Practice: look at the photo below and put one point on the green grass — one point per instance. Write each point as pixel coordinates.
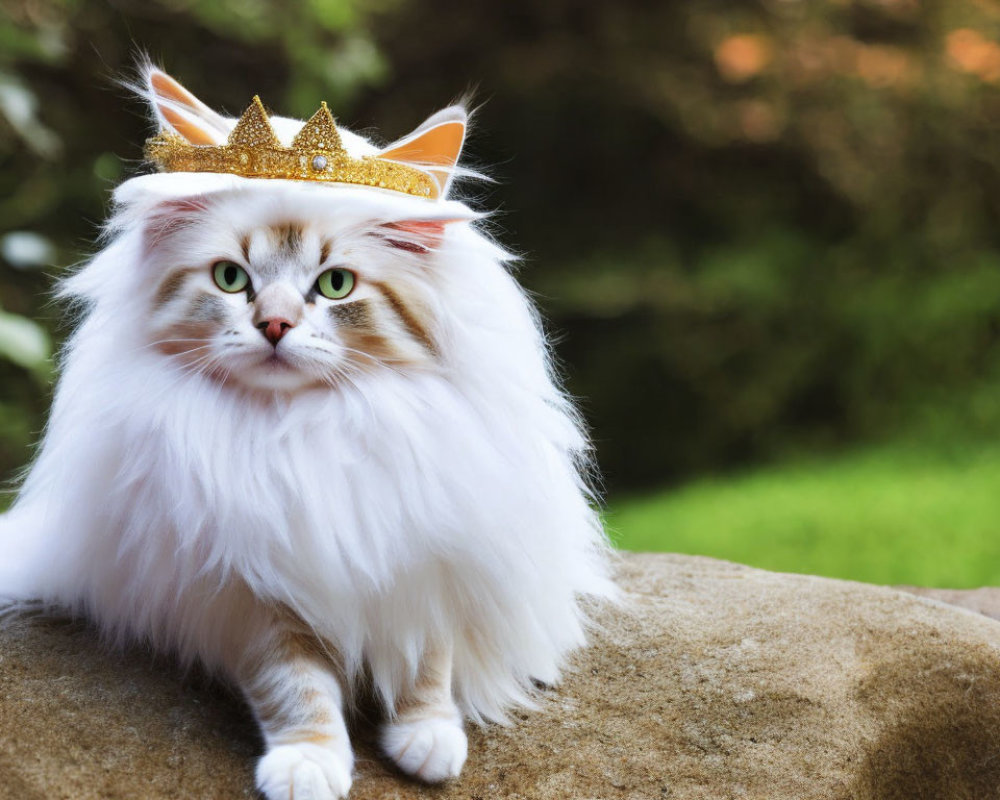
(891, 515)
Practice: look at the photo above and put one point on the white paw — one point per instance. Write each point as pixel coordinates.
(431, 749)
(304, 772)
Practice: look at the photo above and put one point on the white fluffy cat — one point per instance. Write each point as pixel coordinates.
(308, 435)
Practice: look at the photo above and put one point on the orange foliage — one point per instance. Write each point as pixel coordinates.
(743, 56)
(969, 51)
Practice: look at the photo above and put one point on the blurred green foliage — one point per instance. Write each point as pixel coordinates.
(756, 227)
(894, 514)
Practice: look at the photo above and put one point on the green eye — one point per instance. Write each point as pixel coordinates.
(230, 277)
(335, 283)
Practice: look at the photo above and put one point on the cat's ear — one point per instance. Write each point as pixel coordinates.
(416, 235)
(167, 217)
(434, 147)
(178, 110)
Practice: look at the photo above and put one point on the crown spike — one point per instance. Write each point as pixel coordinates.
(319, 133)
(254, 128)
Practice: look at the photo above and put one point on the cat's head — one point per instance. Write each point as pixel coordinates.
(284, 285)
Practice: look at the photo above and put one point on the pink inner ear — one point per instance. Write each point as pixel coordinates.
(419, 236)
(169, 217)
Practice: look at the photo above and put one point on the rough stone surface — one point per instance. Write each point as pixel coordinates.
(982, 601)
(716, 681)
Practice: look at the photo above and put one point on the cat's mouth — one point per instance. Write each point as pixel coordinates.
(275, 360)
(273, 371)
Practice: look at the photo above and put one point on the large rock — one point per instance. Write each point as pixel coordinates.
(716, 681)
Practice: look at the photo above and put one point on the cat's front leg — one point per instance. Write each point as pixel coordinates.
(425, 736)
(295, 690)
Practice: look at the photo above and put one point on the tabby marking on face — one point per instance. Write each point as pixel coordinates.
(171, 286)
(356, 314)
(287, 237)
(409, 316)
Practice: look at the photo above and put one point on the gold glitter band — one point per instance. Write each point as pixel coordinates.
(316, 154)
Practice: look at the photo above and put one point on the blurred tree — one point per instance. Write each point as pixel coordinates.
(742, 213)
(756, 226)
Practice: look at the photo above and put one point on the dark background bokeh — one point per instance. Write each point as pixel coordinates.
(756, 228)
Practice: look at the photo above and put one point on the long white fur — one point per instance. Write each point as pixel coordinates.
(388, 513)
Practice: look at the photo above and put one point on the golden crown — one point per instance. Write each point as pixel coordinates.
(253, 150)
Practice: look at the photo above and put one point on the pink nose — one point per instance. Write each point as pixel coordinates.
(274, 329)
